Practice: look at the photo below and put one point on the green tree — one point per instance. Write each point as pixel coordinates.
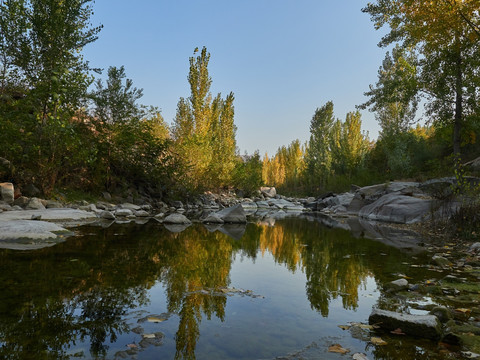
(319, 159)
(204, 129)
(445, 36)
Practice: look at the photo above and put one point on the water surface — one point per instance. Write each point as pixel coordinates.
(144, 292)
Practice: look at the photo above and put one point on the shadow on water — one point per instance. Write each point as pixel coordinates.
(76, 298)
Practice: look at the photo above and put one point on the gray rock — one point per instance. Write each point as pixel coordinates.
(233, 215)
(176, 218)
(213, 218)
(7, 192)
(177, 204)
(424, 326)
(64, 214)
(51, 204)
(141, 213)
(263, 205)
(475, 247)
(397, 208)
(35, 204)
(269, 192)
(107, 196)
(249, 205)
(90, 207)
(123, 212)
(107, 215)
(4, 206)
(129, 206)
(27, 229)
(396, 285)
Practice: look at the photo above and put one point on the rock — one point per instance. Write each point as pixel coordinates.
(123, 212)
(36, 217)
(176, 218)
(4, 206)
(106, 215)
(233, 215)
(396, 285)
(35, 204)
(441, 261)
(22, 201)
(177, 204)
(107, 196)
(263, 205)
(141, 213)
(397, 208)
(442, 313)
(51, 204)
(249, 206)
(90, 207)
(475, 247)
(269, 192)
(129, 206)
(7, 192)
(213, 218)
(18, 230)
(424, 326)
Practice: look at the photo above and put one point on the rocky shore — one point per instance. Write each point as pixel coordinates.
(364, 211)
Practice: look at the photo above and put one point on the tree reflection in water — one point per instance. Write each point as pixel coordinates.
(82, 290)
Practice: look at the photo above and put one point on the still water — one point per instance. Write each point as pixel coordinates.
(256, 292)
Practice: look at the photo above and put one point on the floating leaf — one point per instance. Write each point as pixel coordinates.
(464, 311)
(344, 327)
(397, 331)
(359, 356)
(377, 341)
(337, 348)
(132, 346)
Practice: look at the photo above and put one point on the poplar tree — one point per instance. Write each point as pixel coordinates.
(204, 130)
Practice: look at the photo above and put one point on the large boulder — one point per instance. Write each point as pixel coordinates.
(396, 208)
(7, 192)
(233, 215)
(177, 219)
(424, 326)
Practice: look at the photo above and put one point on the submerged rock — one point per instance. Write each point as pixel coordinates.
(424, 326)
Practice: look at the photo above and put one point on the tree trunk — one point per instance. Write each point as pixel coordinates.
(457, 125)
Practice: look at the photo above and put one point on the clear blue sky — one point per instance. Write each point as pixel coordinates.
(281, 58)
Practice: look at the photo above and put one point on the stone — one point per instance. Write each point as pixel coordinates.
(213, 218)
(123, 212)
(269, 192)
(129, 206)
(35, 204)
(7, 192)
(106, 215)
(423, 326)
(397, 208)
(4, 206)
(28, 229)
(176, 218)
(51, 204)
(233, 215)
(249, 205)
(442, 313)
(141, 213)
(22, 201)
(441, 261)
(89, 207)
(177, 204)
(262, 205)
(107, 196)
(396, 285)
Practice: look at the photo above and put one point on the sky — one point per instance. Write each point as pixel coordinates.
(281, 58)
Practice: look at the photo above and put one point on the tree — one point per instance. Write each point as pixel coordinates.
(319, 159)
(445, 36)
(395, 95)
(204, 129)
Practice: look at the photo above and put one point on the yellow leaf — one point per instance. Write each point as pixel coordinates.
(344, 327)
(377, 341)
(337, 348)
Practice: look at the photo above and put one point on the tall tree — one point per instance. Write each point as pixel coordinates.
(445, 35)
(319, 159)
(204, 129)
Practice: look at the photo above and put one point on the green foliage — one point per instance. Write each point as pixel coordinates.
(204, 129)
(247, 174)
